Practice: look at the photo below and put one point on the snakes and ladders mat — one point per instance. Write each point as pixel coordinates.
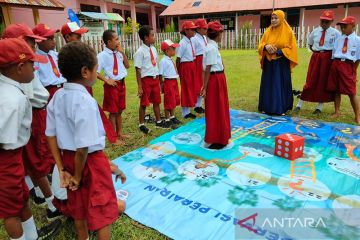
(186, 191)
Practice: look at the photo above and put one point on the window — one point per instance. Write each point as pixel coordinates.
(89, 8)
(196, 3)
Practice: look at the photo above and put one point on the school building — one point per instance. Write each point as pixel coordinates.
(234, 13)
(94, 14)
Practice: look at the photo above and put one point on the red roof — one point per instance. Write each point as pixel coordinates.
(184, 7)
(47, 4)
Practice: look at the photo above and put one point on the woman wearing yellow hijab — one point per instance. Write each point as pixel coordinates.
(278, 55)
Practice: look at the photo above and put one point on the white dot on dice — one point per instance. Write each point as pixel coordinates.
(286, 155)
(279, 141)
(279, 147)
(286, 149)
(296, 149)
(287, 143)
(300, 148)
(279, 152)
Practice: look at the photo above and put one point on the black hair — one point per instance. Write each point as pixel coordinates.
(144, 31)
(213, 34)
(108, 35)
(73, 57)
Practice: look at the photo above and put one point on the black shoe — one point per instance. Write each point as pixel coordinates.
(175, 121)
(49, 231)
(51, 216)
(199, 110)
(144, 129)
(296, 110)
(39, 201)
(317, 111)
(216, 146)
(163, 124)
(190, 115)
(148, 119)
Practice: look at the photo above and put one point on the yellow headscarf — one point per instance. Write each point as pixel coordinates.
(283, 38)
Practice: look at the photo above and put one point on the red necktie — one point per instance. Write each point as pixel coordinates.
(53, 66)
(115, 68)
(344, 49)
(322, 39)
(192, 49)
(153, 62)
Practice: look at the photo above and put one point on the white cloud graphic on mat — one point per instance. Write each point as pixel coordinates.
(198, 169)
(311, 154)
(187, 138)
(347, 208)
(256, 150)
(345, 166)
(159, 150)
(152, 170)
(248, 174)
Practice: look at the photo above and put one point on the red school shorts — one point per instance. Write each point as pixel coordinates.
(171, 94)
(115, 97)
(342, 78)
(151, 91)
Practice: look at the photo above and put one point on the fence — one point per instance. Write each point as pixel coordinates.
(242, 39)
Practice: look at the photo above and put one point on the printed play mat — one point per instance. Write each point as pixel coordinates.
(186, 191)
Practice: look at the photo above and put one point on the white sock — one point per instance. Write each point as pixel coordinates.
(300, 103)
(141, 124)
(20, 238)
(158, 121)
(38, 192)
(30, 229)
(29, 183)
(198, 103)
(59, 193)
(320, 106)
(50, 204)
(185, 111)
(172, 117)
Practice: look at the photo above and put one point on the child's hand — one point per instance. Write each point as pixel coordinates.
(74, 183)
(121, 175)
(120, 49)
(64, 178)
(140, 91)
(203, 92)
(111, 82)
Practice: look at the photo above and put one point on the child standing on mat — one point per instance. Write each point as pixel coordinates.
(342, 76)
(168, 78)
(215, 92)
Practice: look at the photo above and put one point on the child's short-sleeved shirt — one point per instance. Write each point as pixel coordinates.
(106, 62)
(167, 68)
(186, 50)
(16, 115)
(45, 70)
(353, 47)
(200, 44)
(36, 92)
(331, 35)
(212, 57)
(142, 60)
(73, 117)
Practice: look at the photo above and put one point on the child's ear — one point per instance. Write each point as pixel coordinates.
(84, 72)
(20, 67)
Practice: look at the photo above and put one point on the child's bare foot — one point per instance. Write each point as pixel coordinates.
(335, 115)
(123, 136)
(357, 120)
(119, 142)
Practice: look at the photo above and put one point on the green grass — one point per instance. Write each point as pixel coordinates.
(243, 75)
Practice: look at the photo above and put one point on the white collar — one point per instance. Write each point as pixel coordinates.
(75, 86)
(108, 50)
(10, 81)
(212, 42)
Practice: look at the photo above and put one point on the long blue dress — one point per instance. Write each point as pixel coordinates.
(276, 95)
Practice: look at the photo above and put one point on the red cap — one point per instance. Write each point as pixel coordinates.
(168, 43)
(347, 20)
(188, 25)
(20, 30)
(16, 50)
(44, 31)
(327, 15)
(215, 26)
(201, 23)
(72, 27)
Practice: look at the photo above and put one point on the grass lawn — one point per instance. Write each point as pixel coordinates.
(243, 75)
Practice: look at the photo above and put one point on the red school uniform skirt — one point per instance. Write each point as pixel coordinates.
(14, 191)
(317, 77)
(171, 94)
(217, 113)
(187, 82)
(95, 199)
(38, 159)
(198, 74)
(342, 77)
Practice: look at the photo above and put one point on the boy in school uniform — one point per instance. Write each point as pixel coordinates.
(185, 63)
(77, 139)
(342, 76)
(147, 75)
(168, 79)
(114, 62)
(38, 159)
(217, 115)
(200, 45)
(321, 41)
(49, 73)
(17, 67)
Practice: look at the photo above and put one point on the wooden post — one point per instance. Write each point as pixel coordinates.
(346, 9)
(133, 16)
(36, 15)
(153, 17)
(6, 11)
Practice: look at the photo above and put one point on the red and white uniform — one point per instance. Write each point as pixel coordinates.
(171, 89)
(200, 45)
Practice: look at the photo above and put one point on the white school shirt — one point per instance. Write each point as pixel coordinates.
(36, 92)
(106, 63)
(46, 74)
(184, 51)
(73, 117)
(15, 115)
(212, 57)
(200, 44)
(353, 47)
(167, 68)
(330, 37)
(142, 60)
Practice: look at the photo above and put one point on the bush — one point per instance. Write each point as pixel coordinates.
(127, 27)
(170, 27)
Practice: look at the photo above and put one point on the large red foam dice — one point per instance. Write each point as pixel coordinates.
(289, 146)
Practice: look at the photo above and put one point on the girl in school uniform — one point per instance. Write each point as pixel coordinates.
(278, 55)
(217, 116)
